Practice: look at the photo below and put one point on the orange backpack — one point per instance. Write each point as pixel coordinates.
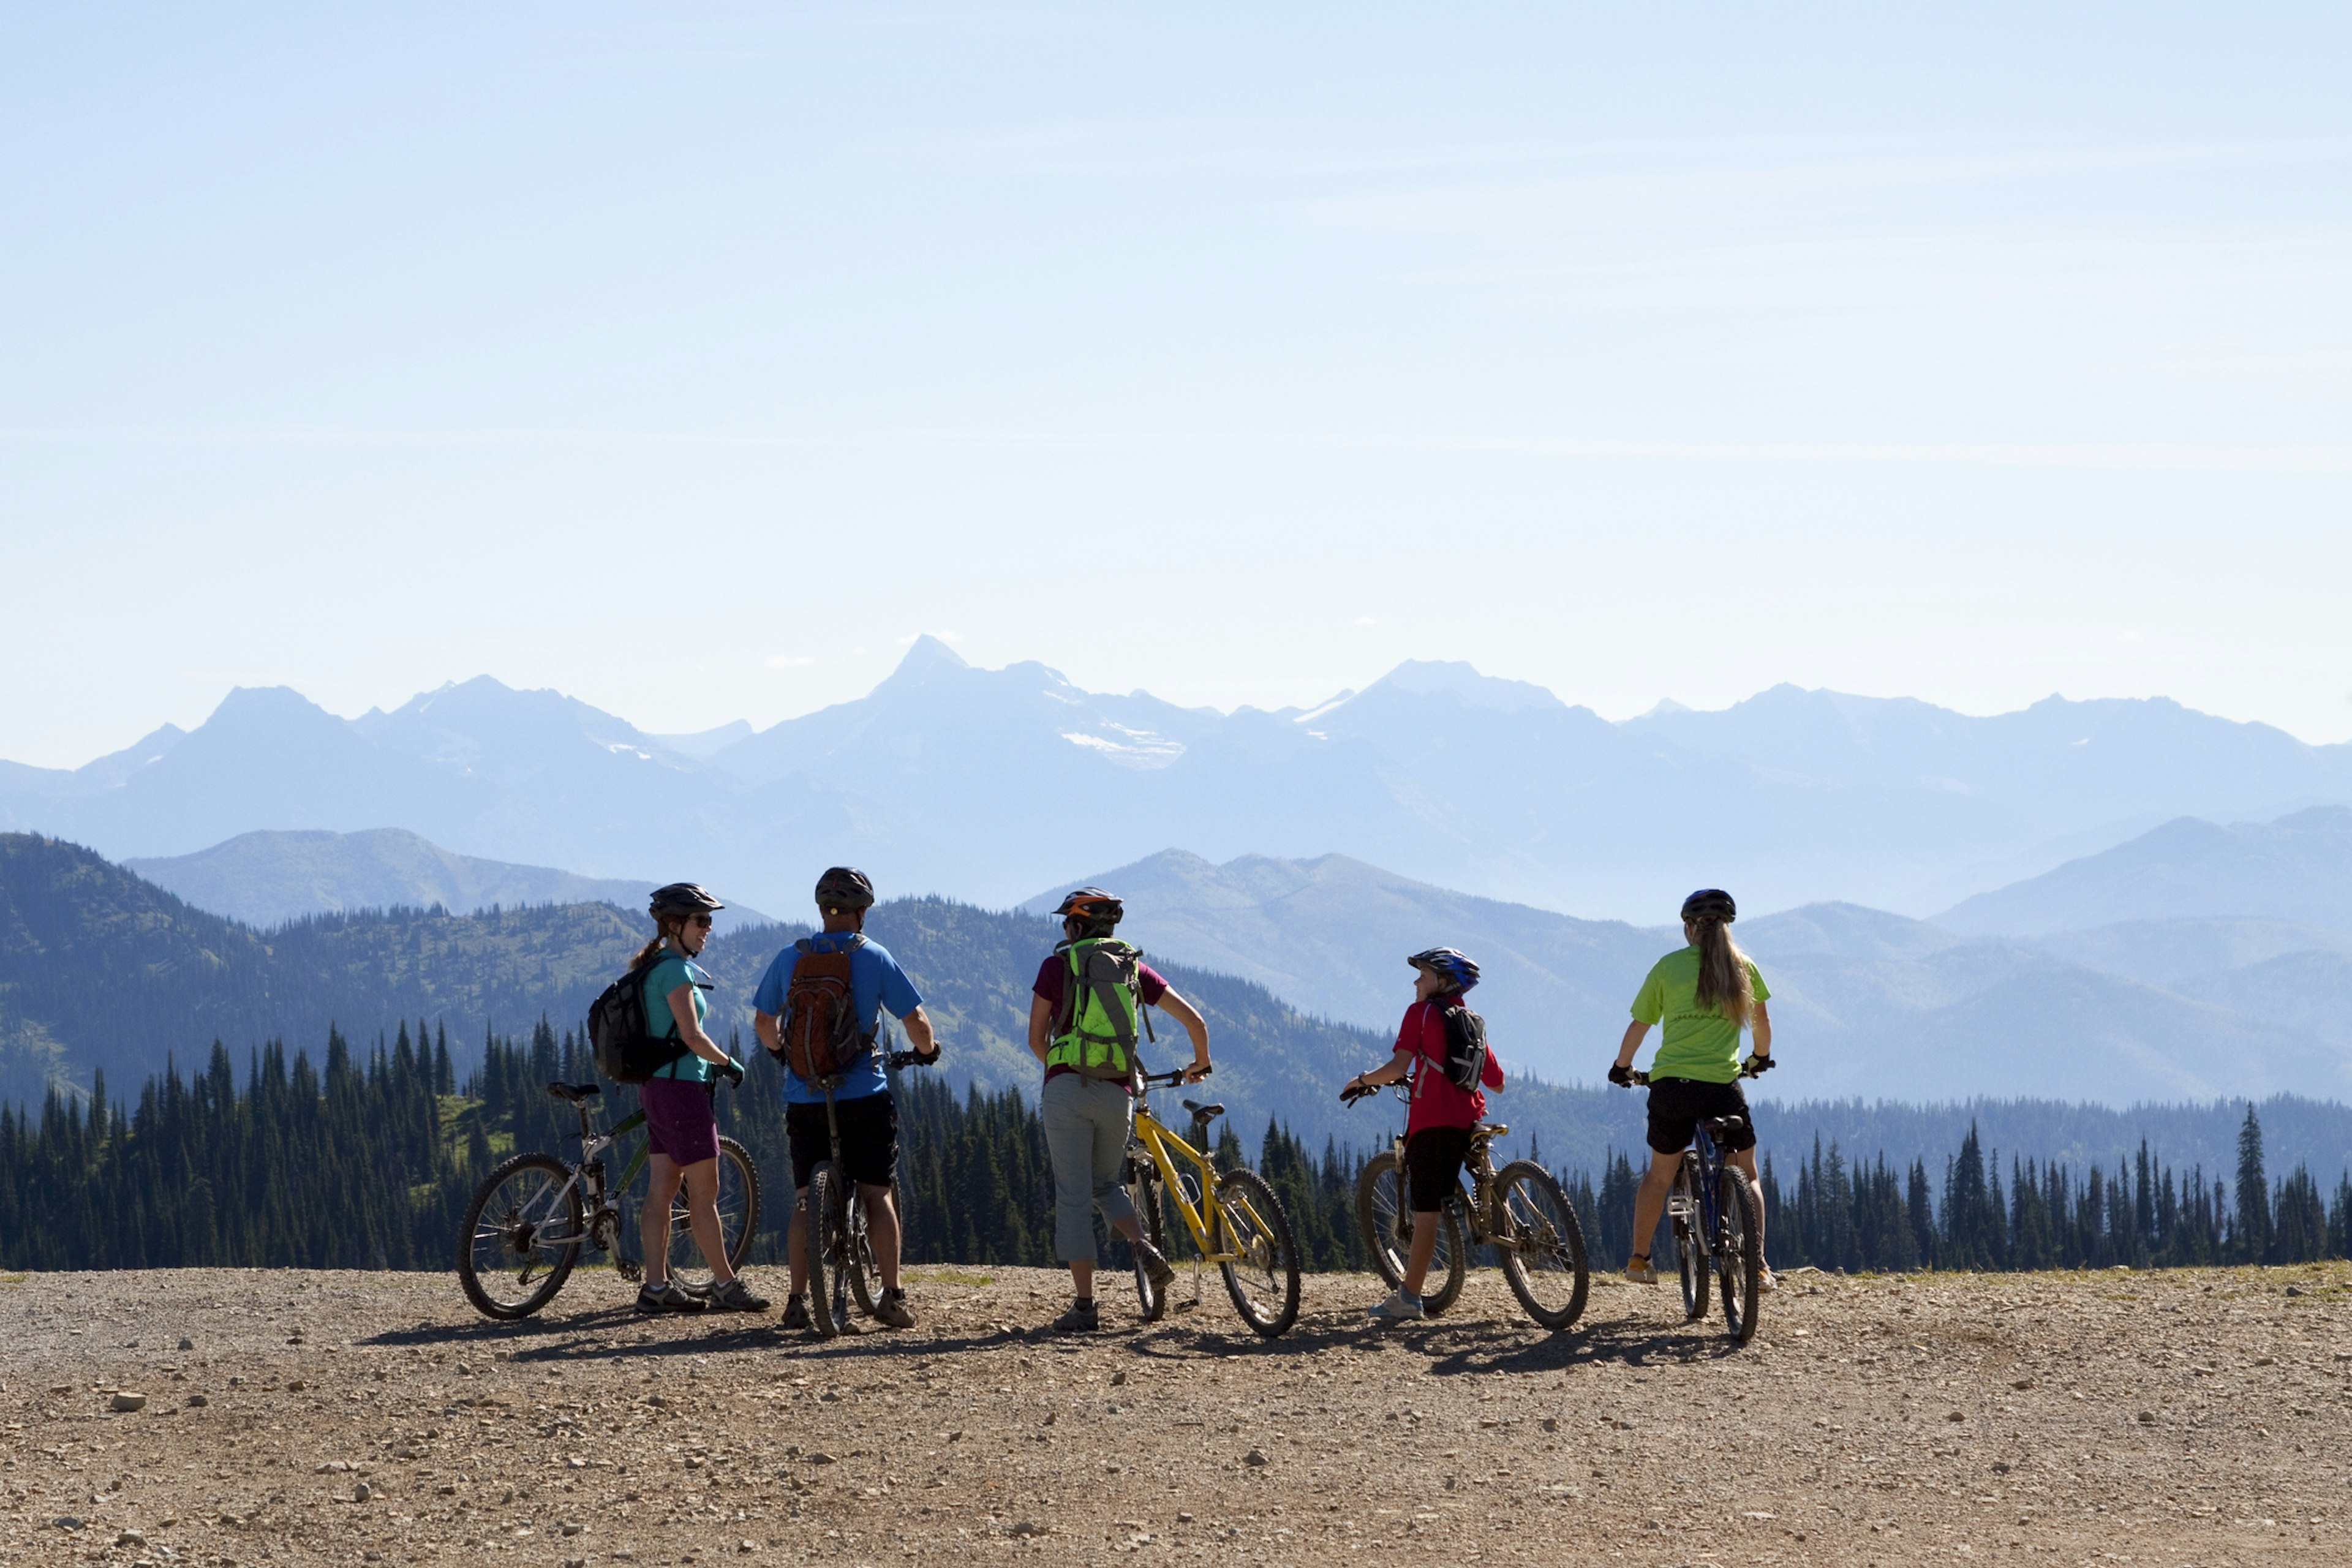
(819, 1026)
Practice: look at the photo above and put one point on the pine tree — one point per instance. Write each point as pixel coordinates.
(2251, 1239)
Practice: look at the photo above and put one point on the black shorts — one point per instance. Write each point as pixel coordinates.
(1433, 1166)
(1677, 1105)
(869, 1139)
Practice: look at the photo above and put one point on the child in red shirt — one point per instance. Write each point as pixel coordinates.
(1438, 1130)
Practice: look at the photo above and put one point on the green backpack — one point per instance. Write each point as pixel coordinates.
(1095, 1034)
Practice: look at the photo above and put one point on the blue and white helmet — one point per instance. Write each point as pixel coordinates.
(1454, 967)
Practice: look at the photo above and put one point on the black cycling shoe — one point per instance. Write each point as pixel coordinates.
(796, 1313)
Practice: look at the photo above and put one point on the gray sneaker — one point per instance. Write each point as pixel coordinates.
(1399, 1308)
(667, 1297)
(1081, 1318)
(737, 1297)
(892, 1309)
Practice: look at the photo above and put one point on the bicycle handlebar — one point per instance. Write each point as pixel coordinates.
(912, 1058)
(1748, 1069)
(1172, 1078)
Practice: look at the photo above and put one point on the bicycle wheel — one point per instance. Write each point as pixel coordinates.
(522, 1233)
(825, 1215)
(865, 1273)
(739, 1219)
(1737, 1257)
(1263, 1280)
(1690, 1246)
(1543, 1245)
(1143, 1192)
(1386, 1224)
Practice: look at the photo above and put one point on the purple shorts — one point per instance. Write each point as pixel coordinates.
(678, 1120)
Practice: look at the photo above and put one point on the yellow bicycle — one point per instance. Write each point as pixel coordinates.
(1236, 1221)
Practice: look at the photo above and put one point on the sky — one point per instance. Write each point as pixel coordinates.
(695, 362)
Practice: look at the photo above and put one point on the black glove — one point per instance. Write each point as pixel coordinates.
(1355, 1092)
(732, 1072)
(1622, 1074)
(1755, 1066)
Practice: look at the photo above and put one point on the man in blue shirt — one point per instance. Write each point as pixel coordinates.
(863, 1107)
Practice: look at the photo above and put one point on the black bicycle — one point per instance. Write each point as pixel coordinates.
(1717, 1229)
(532, 1215)
(841, 1263)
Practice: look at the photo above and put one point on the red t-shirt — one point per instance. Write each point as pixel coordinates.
(1053, 983)
(1435, 1101)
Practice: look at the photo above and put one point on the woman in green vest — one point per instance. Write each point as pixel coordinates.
(1083, 1015)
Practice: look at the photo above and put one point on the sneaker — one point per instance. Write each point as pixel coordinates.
(892, 1309)
(667, 1297)
(1641, 1270)
(796, 1313)
(1081, 1318)
(737, 1297)
(1155, 1267)
(1399, 1308)
(1767, 1282)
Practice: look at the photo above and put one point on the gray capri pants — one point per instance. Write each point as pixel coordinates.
(1086, 1123)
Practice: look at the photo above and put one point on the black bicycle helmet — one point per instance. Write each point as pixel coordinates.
(682, 898)
(843, 887)
(1710, 903)
(1456, 968)
(1100, 912)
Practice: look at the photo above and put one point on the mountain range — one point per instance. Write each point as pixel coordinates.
(981, 784)
(1864, 1003)
(266, 879)
(100, 970)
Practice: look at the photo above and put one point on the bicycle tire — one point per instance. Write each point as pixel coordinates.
(866, 1275)
(1545, 1247)
(1690, 1253)
(1143, 1192)
(509, 1224)
(1740, 1261)
(739, 1219)
(822, 1213)
(1253, 1222)
(1385, 1225)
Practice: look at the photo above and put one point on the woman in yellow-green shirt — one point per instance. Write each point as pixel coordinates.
(1703, 994)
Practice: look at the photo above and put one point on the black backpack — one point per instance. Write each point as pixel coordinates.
(627, 1050)
(1466, 1048)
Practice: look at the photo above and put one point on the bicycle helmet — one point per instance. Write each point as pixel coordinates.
(682, 898)
(1710, 903)
(1456, 968)
(1099, 912)
(844, 887)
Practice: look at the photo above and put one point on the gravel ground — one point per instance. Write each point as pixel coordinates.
(292, 1417)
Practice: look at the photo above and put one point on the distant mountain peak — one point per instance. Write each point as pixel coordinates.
(1460, 678)
(928, 653)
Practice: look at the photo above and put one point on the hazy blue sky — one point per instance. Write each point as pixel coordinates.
(693, 360)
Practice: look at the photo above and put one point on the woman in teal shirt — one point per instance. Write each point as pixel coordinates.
(1703, 994)
(681, 1133)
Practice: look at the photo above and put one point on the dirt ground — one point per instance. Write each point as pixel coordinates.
(2193, 1416)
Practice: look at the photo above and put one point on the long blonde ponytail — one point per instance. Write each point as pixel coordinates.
(652, 950)
(1723, 978)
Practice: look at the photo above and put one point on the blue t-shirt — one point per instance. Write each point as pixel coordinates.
(875, 981)
(662, 979)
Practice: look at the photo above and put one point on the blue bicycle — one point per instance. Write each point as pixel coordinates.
(1717, 1230)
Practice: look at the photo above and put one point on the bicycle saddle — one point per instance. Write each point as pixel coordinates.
(575, 1092)
(1205, 1113)
(1489, 1130)
(1722, 1127)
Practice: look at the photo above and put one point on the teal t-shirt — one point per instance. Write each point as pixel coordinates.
(1704, 1045)
(665, 977)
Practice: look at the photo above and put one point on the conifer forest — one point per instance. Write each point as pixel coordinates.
(366, 1158)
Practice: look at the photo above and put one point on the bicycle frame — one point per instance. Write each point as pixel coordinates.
(1709, 1182)
(588, 1175)
(1165, 1148)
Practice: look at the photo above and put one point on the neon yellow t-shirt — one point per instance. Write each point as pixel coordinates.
(1704, 1045)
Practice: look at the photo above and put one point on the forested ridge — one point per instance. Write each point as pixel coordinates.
(366, 1160)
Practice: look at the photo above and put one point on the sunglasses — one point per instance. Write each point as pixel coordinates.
(702, 921)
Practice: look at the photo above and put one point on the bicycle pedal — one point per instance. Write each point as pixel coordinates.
(630, 1269)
